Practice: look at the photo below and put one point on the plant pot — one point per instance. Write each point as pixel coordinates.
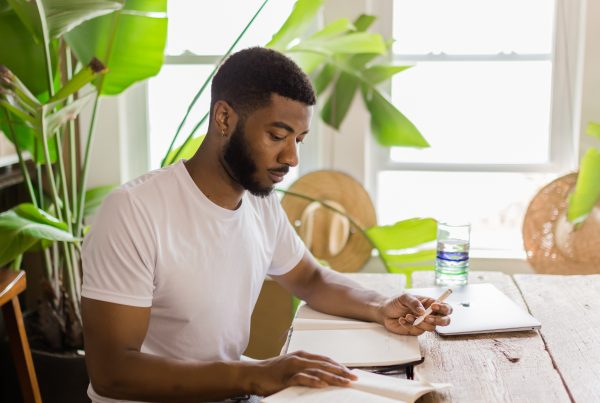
(62, 377)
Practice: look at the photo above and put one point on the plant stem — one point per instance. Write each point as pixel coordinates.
(72, 142)
(63, 181)
(16, 264)
(38, 177)
(188, 139)
(83, 181)
(207, 81)
(90, 135)
(13, 138)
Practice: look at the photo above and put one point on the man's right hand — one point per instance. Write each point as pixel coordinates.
(297, 369)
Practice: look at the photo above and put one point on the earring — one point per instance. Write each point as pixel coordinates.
(223, 132)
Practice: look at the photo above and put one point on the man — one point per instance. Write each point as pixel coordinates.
(175, 260)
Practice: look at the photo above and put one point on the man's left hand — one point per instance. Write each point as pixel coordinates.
(399, 313)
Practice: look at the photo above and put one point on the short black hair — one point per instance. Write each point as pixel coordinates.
(247, 79)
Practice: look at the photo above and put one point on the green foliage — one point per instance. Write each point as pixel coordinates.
(29, 117)
(403, 247)
(22, 54)
(185, 151)
(301, 19)
(137, 35)
(587, 189)
(594, 130)
(38, 102)
(25, 226)
(53, 18)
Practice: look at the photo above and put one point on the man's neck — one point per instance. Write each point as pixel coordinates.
(212, 179)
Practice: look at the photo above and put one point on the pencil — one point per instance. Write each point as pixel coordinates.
(428, 311)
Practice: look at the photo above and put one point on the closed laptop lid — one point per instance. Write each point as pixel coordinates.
(480, 308)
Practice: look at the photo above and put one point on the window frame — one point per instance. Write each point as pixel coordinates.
(563, 139)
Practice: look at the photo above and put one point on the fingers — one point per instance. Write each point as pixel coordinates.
(441, 308)
(327, 377)
(308, 363)
(315, 378)
(412, 303)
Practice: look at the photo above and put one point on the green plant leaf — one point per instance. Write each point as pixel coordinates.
(302, 17)
(587, 188)
(188, 150)
(333, 29)
(83, 77)
(593, 129)
(360, 42)
(138, 47)
(94, 198)
(389, 126)
(27, 140)
(31, 212)
(324, 78)
(364, 21)
(403, 234)
(400, 260)
(28, 61)
(18, 234)
(57, 119)
(60, 16)
(381, 72)
(338, 103)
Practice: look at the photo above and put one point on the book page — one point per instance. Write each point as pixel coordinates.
(306, 312)
(369, 388)
(358, 347)
(324, 324)
(395, 388)
(298, 394)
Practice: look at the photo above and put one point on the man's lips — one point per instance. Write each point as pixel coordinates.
(277, 175)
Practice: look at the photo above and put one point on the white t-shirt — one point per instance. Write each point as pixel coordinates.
(159, 242)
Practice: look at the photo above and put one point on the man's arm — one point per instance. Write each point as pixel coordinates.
(118, 369)
(330, 292)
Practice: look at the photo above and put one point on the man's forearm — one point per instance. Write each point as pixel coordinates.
(139, 376)
(332, 293)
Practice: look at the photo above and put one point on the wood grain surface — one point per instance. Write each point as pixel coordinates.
(500, 367)
(569, 309)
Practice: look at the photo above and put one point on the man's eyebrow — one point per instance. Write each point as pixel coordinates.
(285, 127)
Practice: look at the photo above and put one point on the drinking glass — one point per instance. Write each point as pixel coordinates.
(452, 256)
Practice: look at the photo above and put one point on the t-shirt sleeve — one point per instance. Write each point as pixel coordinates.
(118, 254)
(289, 248)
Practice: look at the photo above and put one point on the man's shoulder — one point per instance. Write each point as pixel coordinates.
(141, 193)
(150, 179)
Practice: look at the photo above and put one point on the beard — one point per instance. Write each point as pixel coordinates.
(240, 165)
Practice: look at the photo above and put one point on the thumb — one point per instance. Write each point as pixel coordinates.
(412, 303)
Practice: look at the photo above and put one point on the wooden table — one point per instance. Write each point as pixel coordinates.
(560, 363)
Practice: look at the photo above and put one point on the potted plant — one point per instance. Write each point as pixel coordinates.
(55, 58)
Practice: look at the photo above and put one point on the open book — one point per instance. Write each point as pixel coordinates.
(351, 342)
(369, 387)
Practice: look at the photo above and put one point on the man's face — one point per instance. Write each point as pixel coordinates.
(264, 146)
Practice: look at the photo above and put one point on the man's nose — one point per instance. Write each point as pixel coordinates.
(289, 155)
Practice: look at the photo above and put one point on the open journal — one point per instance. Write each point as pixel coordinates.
(369, 387)
(351, 342)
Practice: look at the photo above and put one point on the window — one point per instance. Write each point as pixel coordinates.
(481, 93)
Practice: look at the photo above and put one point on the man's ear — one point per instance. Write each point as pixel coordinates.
(224, 117)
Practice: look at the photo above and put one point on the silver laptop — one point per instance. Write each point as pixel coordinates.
(480, 308)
